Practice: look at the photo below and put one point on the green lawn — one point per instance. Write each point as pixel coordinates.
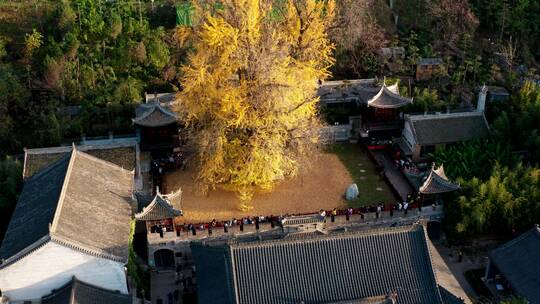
(372, 188)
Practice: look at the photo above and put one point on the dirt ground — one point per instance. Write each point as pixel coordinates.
(320, 186)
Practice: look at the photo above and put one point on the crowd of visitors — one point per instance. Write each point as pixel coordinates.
(279, 220)
(403, 163)
(161, 165)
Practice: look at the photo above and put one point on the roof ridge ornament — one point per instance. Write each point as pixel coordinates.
(155, 115)
(160, 207)
(437, 182)
(484, 88)
(173, 195)
(389, 98)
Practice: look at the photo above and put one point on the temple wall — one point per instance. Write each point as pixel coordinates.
(180, 248)
(408, 135)
(416, 153)
(52, 266)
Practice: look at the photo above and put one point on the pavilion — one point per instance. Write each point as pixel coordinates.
(158, 218)
(382, 116)
(366, 106)
(437, 183)
(157, 125)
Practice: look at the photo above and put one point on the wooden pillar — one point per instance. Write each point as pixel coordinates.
(173, 225)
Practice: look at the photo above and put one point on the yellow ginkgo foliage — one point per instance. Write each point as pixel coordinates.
(249, 89)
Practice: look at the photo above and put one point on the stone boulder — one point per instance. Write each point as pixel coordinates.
(352, 192)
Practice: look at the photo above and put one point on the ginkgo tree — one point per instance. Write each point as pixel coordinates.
(249, 87)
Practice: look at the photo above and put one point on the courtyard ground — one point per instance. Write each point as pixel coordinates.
(372, 187)
(321, 186)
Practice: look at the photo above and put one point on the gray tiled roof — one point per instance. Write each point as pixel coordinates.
(154, 115)
(361, 91)
(519, 261)
(35, 208)
(79, 292)
(373, 300)
(341, 267)
(121, 154)
(449, 298)
(358, 90)
(437, 182)
(448, 128)
(86, 201)
(97, 198)
(161, 97)
(388, 98)
(495, 90)
(430, 61)
(158, 209)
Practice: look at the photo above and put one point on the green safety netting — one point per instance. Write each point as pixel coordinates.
(185, 11)
(183, 14)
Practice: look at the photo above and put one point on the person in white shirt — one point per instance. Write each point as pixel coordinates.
(405, 207)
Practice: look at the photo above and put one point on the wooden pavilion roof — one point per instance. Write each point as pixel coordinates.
(437, 182)
(160, 208)
(154, 115)
(388, 97)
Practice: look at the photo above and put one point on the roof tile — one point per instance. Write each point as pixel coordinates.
(319, 268)
(437, 182)
(448, 128)
(79, 292)
(81, 201)
(519, 261)
(154, 115)
(158, 209)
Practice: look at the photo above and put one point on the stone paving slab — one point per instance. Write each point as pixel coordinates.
(395, 177)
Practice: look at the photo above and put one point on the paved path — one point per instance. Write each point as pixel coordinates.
(398, 218)
(395, 177)
(458, 269)
(448, 278)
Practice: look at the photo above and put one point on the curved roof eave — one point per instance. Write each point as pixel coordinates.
(390, 94)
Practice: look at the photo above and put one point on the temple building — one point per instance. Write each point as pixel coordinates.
(382, 117)
(72, 219)
(340, 266)
(78, 292)
(156, 124)
(355, 91)
(364, 107)
(122, 152)
(158, 218)
(514, 267)
(437, 183)
(428, 68)
(422, 134)
(433, 187)
(168, 254)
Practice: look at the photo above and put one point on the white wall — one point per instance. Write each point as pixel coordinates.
(408, 135)
(52, 266)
